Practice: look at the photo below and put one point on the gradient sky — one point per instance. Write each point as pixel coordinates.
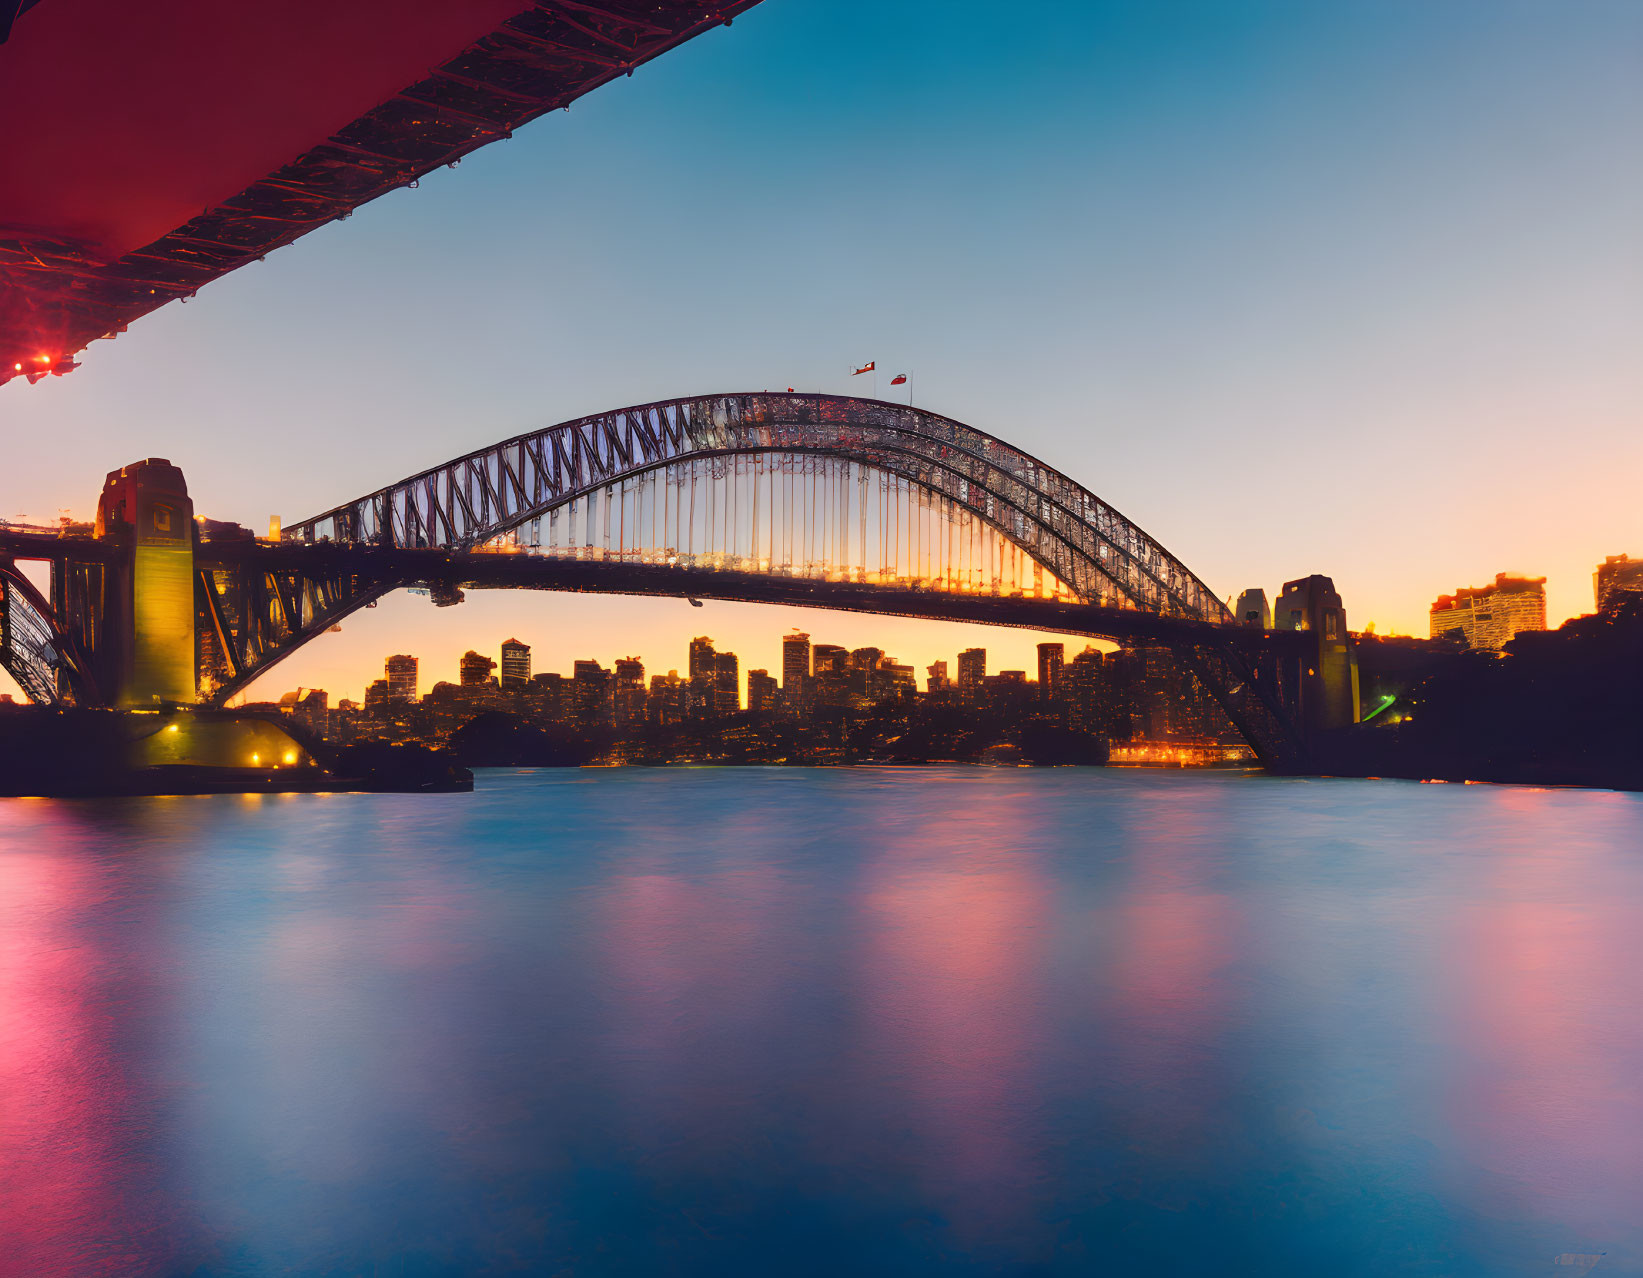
(1352, 288)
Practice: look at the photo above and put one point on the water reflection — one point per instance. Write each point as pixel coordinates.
(746, 1022)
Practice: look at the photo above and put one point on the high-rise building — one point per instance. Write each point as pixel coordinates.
(795, 671)
(376, 698)
(701, 659)
(475, 669)
(1087, 693)
(516, 662)
(937, 674)
(1491, 616)
(704, 679)
(629, 690)
(1616, 573)
(829, 657)
(401, 671)
(761, 692)
(592, 693)
(972, 667)
(727, 698)
(1050, 658)
(666, 703)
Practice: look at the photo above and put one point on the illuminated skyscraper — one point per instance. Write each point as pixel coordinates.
(401, 672)
(1614, 574)
(516, 662)
(972, 667)
(1490, 616)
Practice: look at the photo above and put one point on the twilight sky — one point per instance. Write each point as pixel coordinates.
(1352, 288)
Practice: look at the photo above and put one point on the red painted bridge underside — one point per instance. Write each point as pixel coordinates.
(150, 148)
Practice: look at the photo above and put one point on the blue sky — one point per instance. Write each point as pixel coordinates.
(1353, 288)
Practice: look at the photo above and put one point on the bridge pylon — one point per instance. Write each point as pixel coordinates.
(1320, 683)
(145, 633)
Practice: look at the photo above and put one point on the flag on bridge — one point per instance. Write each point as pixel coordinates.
(868, 367)
(900, 379)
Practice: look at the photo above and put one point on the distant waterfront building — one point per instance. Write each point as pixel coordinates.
(972, 667)
(401, 672)
(1490, 616)
(937, 676)
(795, 670)
(1252, 609)
(1050, 659)
(761, 692)
(376, 698)
(516, 662)
(475, 669)
(1616, 573)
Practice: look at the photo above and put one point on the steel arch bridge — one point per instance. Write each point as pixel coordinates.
(1100, 556)
(817, 500)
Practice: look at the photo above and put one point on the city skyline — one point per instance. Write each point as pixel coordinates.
(1270, 343)
(487, 667)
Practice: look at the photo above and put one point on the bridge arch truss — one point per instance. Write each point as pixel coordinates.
(1100, 557)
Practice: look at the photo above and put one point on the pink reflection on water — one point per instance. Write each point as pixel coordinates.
(77, 1192)
(1174, 938)
(957, 913)
(693, 962)
(1548, 1088)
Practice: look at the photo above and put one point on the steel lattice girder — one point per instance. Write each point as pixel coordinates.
(1101, 556)
(27, 637)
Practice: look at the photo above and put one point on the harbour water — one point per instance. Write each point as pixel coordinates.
(728, 1022)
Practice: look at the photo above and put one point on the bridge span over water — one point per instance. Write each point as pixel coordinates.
(817, 500)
